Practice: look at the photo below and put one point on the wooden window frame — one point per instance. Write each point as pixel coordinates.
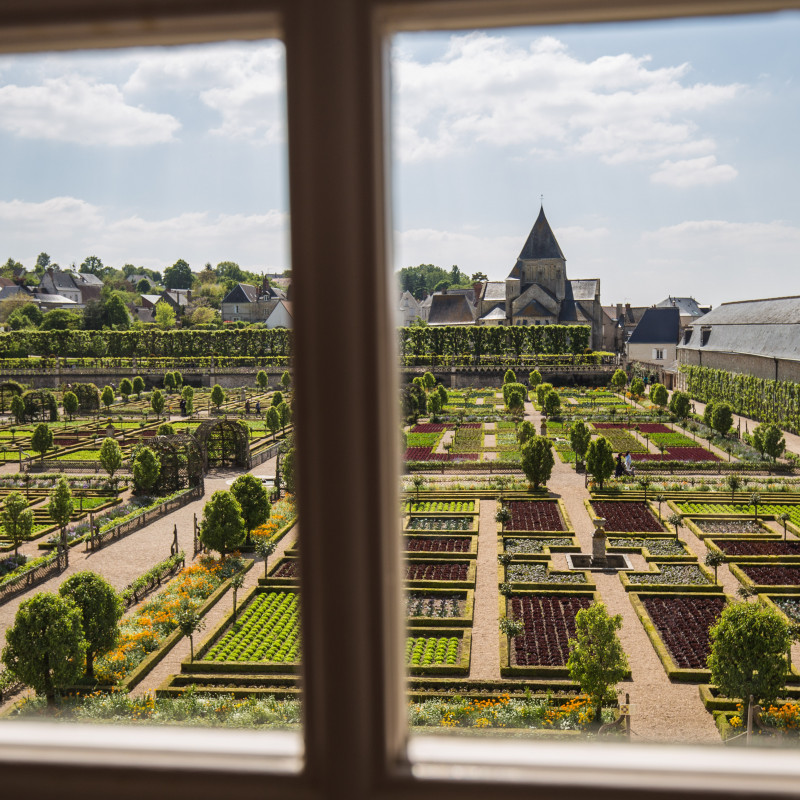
(355, 741)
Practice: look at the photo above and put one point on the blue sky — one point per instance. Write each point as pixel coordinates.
(666, 154)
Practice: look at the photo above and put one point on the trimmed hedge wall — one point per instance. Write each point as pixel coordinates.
(758, 398)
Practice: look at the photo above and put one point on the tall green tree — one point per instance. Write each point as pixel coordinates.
(768, 438)
(748, 652)
(157, 402)
(187, 393)
(534, 379)
(273, 419)
(17, 520)
(596, 658)
(262, 379)
(217, 395)
(277, 399)
(223, 527)
(722, 418)
(178, 276)
(579, 438)
(680, 405)
(101, 610)
(600, 460)
(510, 376)
(45, 648)
(164, 316)
(42, 438)
(552, 404)
(252, 496)
(70, 402)
(60, 506)
(146, 468)
(107, 396)
(18, 407)
(169, 382)
(138, 385)
(125, 389)
(285, 413)
(619, 379)
(111, 458)
(659, 395)
(637, 387)
(286, 380)
(537, 460)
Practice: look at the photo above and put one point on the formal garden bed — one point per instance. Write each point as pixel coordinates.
(678, 626)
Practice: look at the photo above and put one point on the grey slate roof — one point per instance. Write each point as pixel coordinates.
(571, 310)
(63, 280)
(541, 242)
(585, 289)
(494, 292)
(657, 326)
(89, 279)
(13, 291)
(241, 293)
(55, 299)
(533, 309)
(498, 312)
(769, 328)
(451, 309)
(688, 306)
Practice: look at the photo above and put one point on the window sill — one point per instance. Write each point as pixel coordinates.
(642, 768)
(178, 748)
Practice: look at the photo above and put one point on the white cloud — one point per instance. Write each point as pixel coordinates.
(69, 229)
(72, 108)
(703, 171)
(243, 83)
(486, 90)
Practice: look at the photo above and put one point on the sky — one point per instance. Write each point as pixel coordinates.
(665, 154)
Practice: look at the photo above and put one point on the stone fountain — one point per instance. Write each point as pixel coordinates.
(599, 560)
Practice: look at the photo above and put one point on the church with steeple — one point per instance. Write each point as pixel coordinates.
(538, 292)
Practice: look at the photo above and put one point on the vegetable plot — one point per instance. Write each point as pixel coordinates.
(622, 516)
(683, 624)
(267, 630)
(534, 515)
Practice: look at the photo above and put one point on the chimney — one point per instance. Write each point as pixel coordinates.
(477, 287)
(619, 310)
(628, 310)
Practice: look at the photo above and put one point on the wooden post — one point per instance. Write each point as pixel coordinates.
(628, 716)
(749, 720)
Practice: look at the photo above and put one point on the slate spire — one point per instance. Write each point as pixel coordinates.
(541, 241)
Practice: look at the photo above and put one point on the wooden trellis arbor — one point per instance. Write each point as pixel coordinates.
(182, 462)
(225, 443)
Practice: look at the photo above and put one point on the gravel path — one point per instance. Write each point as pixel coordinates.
(485, 660)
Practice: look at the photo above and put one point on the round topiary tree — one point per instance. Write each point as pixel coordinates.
(108, 397)
(722, 418)
(111, 458)
(262, 379)
(600, 460)
(534, 379)
(252, 496)
(659, 395)
(157, 402)
(70, 403)
(748, 652)
(619, 379)
(596, 659)
(16, 519)
(101, 610)
(146, 468)
(45, 647)
(42, 439)
(579, 438)
(223, 527)
(537, 460)
(138, 385)
(217, 395)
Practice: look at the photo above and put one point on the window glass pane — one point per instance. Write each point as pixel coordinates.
(570, 204)
(147, 389)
